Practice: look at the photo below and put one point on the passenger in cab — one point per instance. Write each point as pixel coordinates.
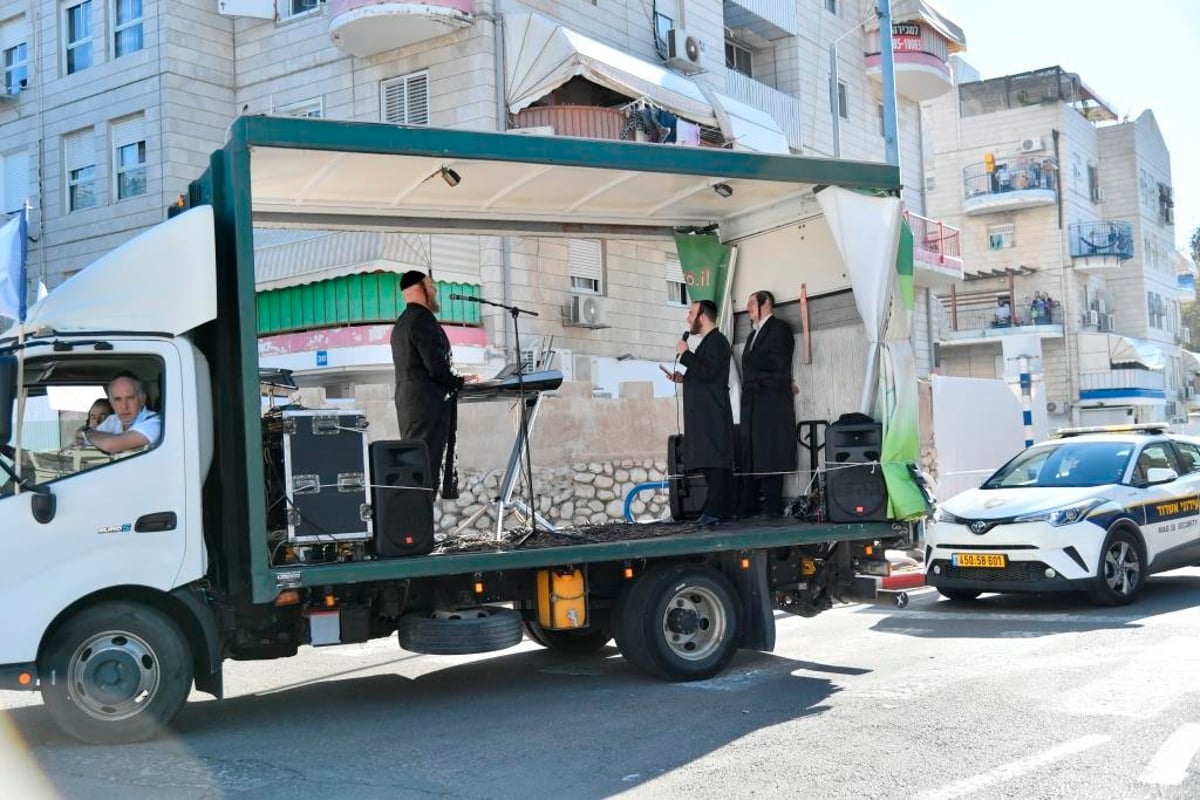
(131, 425)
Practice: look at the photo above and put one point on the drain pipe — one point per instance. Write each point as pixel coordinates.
(1062, 282)
(501, 127)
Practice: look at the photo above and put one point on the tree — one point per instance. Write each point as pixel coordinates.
(1190, 312)
(1194, 245)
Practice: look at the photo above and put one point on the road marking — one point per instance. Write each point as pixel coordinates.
(1169, 767)
(1014, 769)
(983, 615)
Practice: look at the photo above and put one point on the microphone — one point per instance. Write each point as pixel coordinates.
(467, 297)
(686, 334)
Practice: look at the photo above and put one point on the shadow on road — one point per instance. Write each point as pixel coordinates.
(1035, 615)
(509, 725)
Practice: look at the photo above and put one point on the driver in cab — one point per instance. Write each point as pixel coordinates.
(130, 426)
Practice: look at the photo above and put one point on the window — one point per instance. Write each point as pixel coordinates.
(1093, 183)
(79, 36)
(297, 8)
(127, 27)
(312, 109)
(662, 29)
(16, 54)
(1002, 235)
(739, 59)
(676, 284)
(57, 404)
(882, 128)
(1156, 455)
(585, 262)
(1166, 204)
(16, 180)
(831, 6)
(79, 152)
(129, 157)
(405, 100)
(843, 108)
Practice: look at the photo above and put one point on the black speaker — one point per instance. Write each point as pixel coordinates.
(686, 494)
(403, 517)
(854, 494)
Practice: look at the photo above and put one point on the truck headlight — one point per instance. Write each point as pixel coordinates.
(1065, 515)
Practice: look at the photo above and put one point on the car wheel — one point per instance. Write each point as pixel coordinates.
(959, 595)
(1122, 570)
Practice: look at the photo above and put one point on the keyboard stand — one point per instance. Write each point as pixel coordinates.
(504, 503)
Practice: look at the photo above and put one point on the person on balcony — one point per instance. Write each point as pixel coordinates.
(1038, 309)
(1003, 313)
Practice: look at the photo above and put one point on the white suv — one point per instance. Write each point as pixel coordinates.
(1093, 509)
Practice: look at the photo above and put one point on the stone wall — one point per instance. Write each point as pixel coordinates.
(581, 494)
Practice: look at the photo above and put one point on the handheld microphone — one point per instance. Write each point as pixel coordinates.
(686, 334)
(467, 297)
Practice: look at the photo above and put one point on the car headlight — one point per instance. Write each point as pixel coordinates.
(1066, 515)
(942, 515)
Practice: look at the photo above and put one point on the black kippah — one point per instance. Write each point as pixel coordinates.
(411, 278)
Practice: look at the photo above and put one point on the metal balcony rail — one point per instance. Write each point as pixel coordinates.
(1121, 379)
(1103, 238)
(1010, 175)
(971, 313)
(935, 238)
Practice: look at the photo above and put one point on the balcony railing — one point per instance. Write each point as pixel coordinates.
(1119, 379)
(1012, 184)
(587, 122)
(1104, 238)
(993, 313)
(936, 244)
(771, 19)
(783, 107)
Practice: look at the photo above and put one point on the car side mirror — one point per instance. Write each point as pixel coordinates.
(1160, 475)
(8, 392)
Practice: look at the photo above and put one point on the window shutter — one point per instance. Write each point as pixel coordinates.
(80, 150)
(672, 271)
(585, 260)
(16, 180)
(405, 100)
(12, 33)
(129, 131)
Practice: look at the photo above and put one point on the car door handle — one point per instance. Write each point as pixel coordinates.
(155, 523)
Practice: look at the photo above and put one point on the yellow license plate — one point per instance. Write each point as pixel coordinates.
(980, 560)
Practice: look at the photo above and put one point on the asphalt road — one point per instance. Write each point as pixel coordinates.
(1006, 697)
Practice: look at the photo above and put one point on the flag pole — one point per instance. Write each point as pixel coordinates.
(23, 232)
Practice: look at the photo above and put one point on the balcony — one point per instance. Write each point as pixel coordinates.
(920, 53)
(1010, 185)
(1122, 387)
(937, 257)
(770, 19)
(585, 122)
(368, 27)
(784, 108)
(1101, 245)
(976, 316)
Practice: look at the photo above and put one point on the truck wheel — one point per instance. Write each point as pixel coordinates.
(569, 642)
(116, 672)
(679, 622)
(481, 629)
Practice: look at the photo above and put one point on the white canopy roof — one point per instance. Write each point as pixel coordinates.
(541, 55)
(162, 280)
(1124, 350)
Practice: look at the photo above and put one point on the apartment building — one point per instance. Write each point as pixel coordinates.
(1067, 225)
(111, 107)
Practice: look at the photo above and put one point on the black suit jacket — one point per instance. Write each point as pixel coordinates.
(424, 377)
(707, 412)
(768, 418)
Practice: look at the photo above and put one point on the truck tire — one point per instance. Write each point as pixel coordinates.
(679, 622)
(481, 629)
(115, 672)
(569, 642)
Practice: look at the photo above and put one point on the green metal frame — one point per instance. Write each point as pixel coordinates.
(235, 499)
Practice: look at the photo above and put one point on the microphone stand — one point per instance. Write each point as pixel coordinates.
(515, 312)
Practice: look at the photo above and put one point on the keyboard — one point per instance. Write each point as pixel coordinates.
(505, 386)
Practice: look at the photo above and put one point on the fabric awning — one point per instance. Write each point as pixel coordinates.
(1191, 361)
(1127, 351)
(541, 55)
(931, 15)
(748, 127)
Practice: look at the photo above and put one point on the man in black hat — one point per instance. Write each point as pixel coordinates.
(425, 379)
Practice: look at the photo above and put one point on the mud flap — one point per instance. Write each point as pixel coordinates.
(758, 617)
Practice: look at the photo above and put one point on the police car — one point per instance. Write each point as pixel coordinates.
(1092, 509)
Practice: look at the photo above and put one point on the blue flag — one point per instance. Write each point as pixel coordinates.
(14, 237)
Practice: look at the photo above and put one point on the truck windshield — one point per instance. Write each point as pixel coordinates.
(1065, 464)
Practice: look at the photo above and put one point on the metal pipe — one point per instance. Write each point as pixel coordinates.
(834, 105)
(887, 71)
(1070, 337)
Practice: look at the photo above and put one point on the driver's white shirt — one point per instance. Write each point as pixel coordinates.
(147, 423)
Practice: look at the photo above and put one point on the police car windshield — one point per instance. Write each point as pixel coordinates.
(1065, 464)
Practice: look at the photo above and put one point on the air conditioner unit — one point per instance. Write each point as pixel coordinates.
(683, 51)
(1093, 317)
(1110, 322)
(585, 311)
(1186, 335)
(1056, 407)
(1033, 144)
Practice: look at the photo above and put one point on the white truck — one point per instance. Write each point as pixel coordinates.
(128, 579)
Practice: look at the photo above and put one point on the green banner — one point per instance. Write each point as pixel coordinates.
(705, 263)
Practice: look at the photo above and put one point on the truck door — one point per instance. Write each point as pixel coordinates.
(118, 518)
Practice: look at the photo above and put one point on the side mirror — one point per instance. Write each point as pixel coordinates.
(1160, 475)
(8, 391)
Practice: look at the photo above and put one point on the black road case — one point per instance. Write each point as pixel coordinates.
(325, 476)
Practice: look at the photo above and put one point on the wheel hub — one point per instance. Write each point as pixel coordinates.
(113, 675)
(694, 623)
(684, 621)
